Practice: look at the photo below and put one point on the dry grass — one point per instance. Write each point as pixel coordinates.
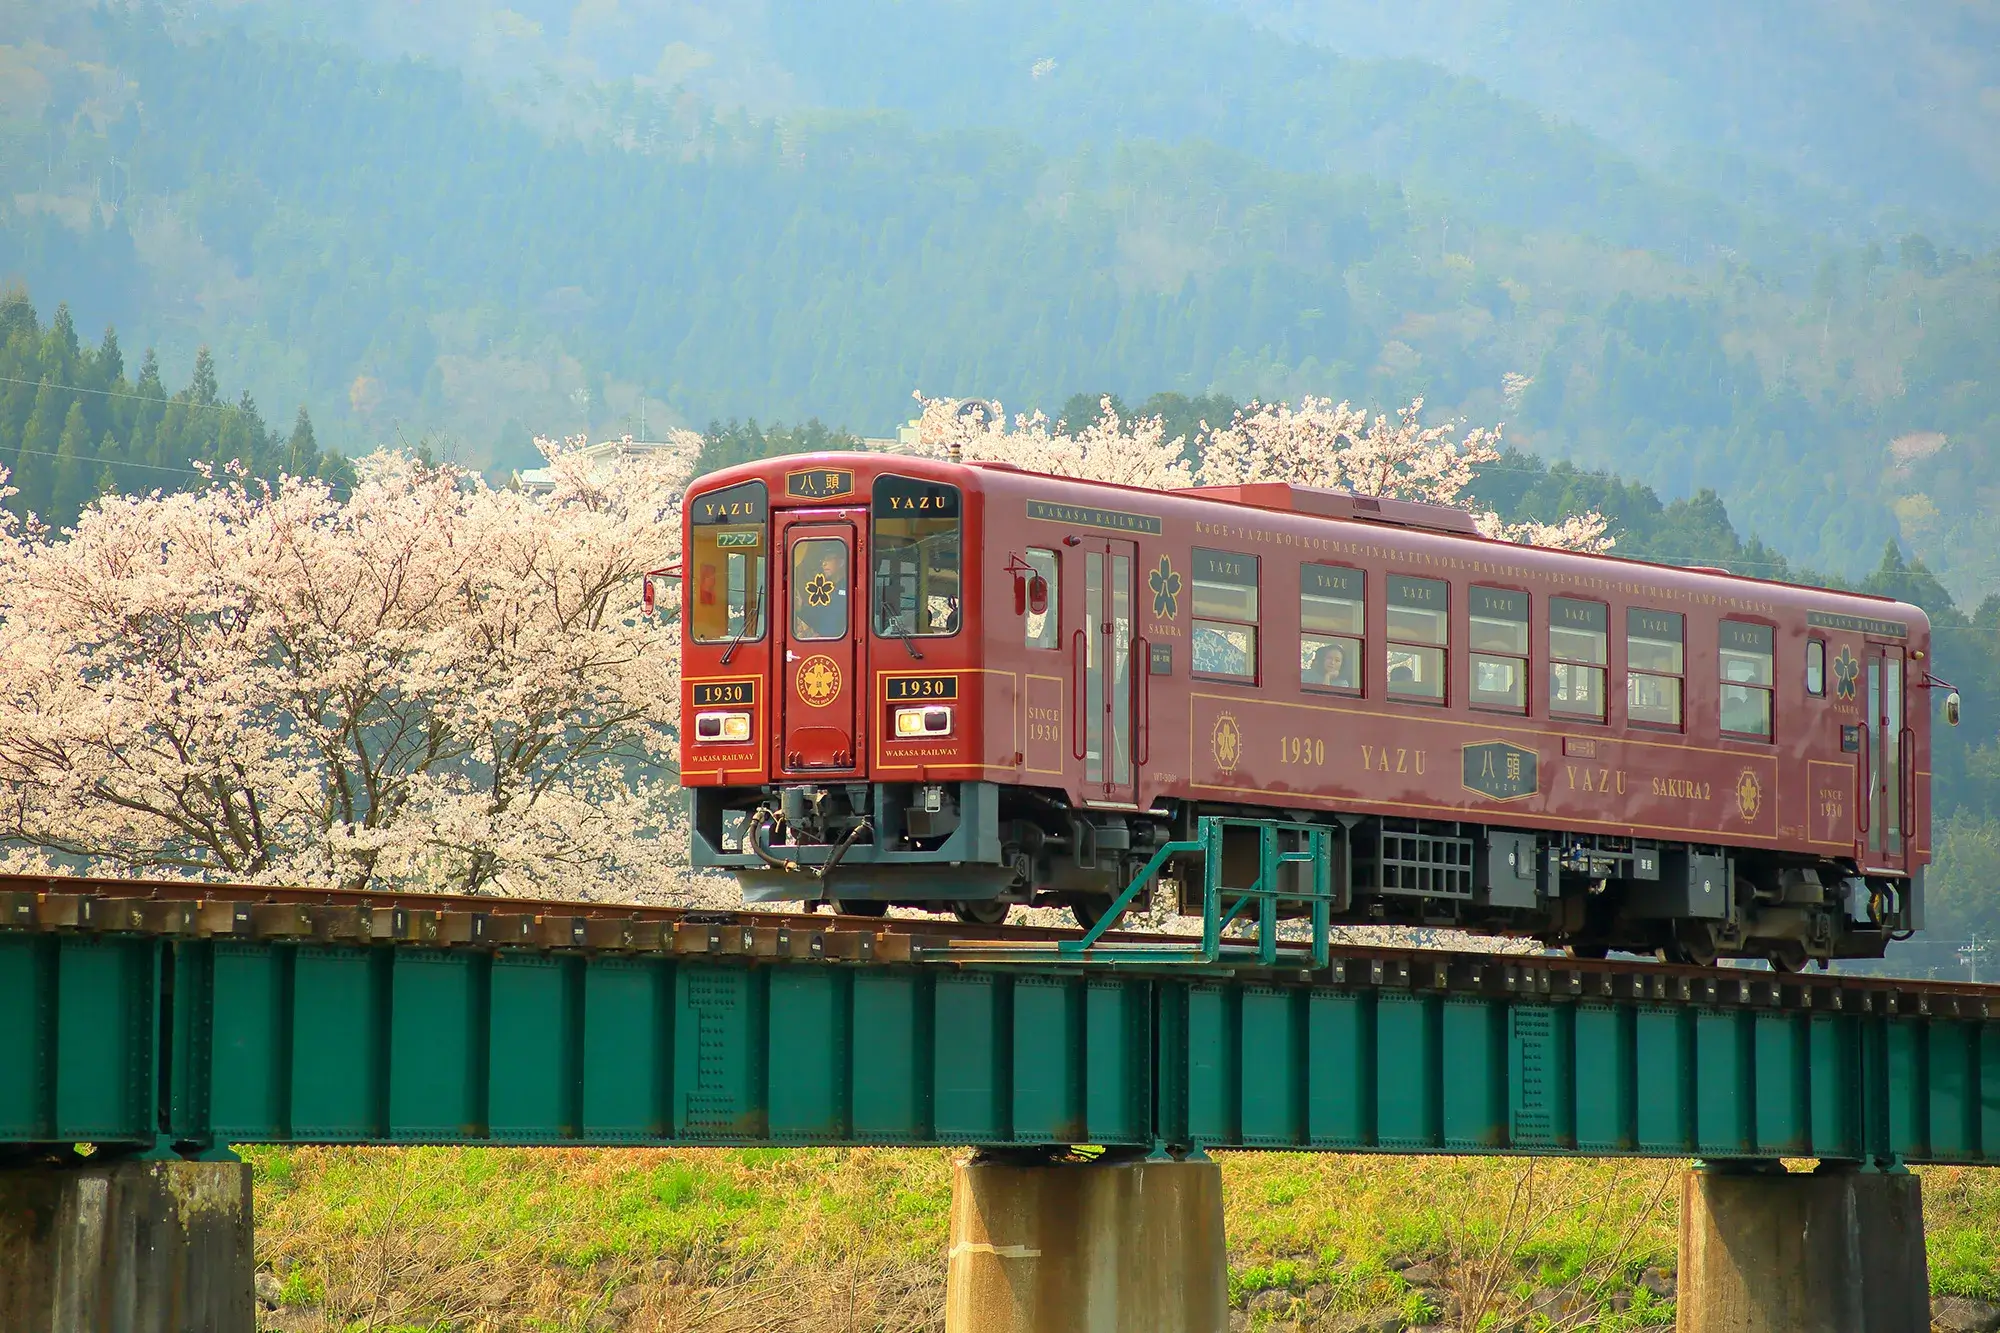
(845, 1240)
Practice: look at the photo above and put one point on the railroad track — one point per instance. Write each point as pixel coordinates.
(184, 909)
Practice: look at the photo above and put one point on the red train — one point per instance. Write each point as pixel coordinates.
(965, 686)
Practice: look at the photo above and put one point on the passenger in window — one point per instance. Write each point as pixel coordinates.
(1330, 667)
(1403, 670)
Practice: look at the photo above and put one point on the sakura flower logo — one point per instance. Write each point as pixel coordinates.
(819, 591)
(1846, 670)
(1226, 743)
(1749, 794)
(1166, 585)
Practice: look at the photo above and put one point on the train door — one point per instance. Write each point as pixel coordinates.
(1886, 760)
(1102, 646)
(820, 675)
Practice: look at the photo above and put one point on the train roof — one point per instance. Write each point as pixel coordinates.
(1276, 497)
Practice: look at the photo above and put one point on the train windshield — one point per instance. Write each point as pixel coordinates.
(916, 539)
(727, 563)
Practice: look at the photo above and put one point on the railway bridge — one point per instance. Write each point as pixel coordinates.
(160, 1024)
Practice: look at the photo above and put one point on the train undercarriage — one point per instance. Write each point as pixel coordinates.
(978, 849)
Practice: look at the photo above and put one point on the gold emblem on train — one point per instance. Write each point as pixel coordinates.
(1226, 741)
(1749, 794)
(819, 680)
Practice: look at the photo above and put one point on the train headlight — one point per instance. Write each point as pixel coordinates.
(722, 726)
(930, 720)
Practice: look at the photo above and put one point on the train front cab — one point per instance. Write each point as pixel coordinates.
(868, 583)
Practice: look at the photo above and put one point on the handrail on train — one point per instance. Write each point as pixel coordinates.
(1294, 870)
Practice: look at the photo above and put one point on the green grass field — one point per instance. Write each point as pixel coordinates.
(762, 1240)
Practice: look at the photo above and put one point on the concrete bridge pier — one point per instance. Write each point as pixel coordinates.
(1110, 1246)
(126, 1246)
(1837, 1251)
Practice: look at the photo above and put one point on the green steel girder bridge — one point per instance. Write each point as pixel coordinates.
(188, 1025)
(162, 1029)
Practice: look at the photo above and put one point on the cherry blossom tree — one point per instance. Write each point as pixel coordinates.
(1318, 443)
(429, 681)
(1323, 443)
(1134, 452)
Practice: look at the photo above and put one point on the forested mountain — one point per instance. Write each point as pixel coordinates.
(73, 426)
(1885, 108)
(609, 213)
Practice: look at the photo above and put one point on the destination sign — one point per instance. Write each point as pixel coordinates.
(742, 504)
(819, 484)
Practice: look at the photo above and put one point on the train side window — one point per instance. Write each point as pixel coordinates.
(1577, 653)
(1332, 614)
(1746, 678)
(1655, 666)
(1225, 614)
(725, 596)
(1816, 667)
(916, 538)
(1419, 633)
(1043, 627)
(1499, 645)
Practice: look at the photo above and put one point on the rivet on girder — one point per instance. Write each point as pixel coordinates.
(1340, 969)
(1375, 971)
(1575, 984)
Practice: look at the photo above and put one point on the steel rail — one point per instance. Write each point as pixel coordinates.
(102, 905)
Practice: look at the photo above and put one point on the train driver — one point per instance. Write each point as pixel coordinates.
(819, 590)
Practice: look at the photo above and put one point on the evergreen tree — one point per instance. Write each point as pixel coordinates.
(111, 472)
(39, 441)
(201, 389)
(17, 314)
(110, 362)
(301, 451)
(63, 351)
(71, 488)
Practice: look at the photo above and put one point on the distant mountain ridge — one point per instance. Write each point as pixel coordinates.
(1891, 107)
(414, 250)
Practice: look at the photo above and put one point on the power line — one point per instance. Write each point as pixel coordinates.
(115, 462)
(135, 397)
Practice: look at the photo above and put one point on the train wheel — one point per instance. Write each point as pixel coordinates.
(1694, 942)
(983, 912)
(1089, 908)
(1788, 956)
(860, 907)
(1585, 950)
